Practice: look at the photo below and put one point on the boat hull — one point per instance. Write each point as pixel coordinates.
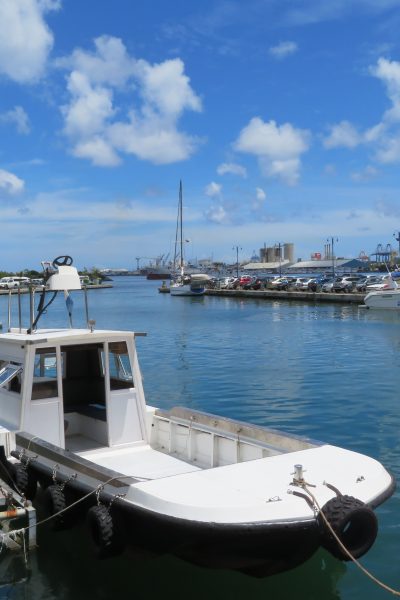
(158, 276)
(187, 290)
(258, 549)
(389, 300)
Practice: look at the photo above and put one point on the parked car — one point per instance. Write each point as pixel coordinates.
(244, 279)
(328, 284)
(225, 282)
(345, 284)
(10, 283)
(280, 283)
(361, 286)
(385, 282)
(304, 283)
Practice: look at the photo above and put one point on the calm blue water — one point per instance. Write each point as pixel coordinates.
(326, 371)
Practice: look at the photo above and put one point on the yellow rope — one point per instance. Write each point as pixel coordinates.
(345, 550)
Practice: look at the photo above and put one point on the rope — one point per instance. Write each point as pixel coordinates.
(94, 491)
(345, 550)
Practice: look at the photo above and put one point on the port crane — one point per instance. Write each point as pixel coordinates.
(158, 259)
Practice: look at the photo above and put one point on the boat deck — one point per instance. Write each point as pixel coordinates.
(139, 461)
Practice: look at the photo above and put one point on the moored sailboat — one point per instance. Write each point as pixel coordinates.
(185, 284)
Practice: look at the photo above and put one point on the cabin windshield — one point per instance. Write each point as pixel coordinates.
(44, 383)
(119, 366)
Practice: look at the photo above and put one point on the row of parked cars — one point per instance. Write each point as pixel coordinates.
(338, 284)
(11, 283)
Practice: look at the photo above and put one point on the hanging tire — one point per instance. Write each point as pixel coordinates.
(24, 480)
(107, 534)
(55, 501)
(354, 523)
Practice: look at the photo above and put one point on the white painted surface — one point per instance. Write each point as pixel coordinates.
(244, 492)
(123, 421)
(43, 419)
(389, 300)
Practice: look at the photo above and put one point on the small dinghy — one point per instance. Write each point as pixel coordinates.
(211, 490)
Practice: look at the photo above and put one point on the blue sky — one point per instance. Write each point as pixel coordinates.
(282, 118)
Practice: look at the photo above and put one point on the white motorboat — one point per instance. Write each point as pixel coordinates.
(209, 489)
(387, 296)
(185, 284)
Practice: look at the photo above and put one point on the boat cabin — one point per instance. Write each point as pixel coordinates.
(76, 389)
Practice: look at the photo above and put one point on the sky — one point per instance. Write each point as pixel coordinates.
(281, 118)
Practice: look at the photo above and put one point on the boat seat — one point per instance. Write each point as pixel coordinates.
(93, 410)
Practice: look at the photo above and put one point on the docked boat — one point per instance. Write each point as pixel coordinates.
(387, 297)
(209, 489)
(185, 284)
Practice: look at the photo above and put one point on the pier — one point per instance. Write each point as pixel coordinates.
(347, 298)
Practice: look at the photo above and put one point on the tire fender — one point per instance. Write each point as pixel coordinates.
(55, 501)
(24, 479)
(354, 523)
(106, 531)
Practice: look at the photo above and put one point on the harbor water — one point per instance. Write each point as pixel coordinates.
(326, 371)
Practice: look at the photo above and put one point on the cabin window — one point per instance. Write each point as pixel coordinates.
(10, 376)
(45, 374)
(120, 366)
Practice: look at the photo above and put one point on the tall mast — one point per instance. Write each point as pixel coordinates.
(180, 217)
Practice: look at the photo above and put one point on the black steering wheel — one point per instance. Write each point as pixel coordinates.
(62, 261)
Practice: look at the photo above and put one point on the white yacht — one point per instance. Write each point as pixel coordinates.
(209, 489)
(387, 296)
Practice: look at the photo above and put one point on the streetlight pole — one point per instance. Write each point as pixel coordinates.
(332, 241)
(237, 248)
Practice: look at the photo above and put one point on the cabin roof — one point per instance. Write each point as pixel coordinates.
(43, 336)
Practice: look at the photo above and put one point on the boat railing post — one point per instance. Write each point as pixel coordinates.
(86, 305)
(19, 310)
(31, 307)
(9, 310)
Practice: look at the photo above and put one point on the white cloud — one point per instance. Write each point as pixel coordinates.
(166, 87)
(160, 94)
(283, 49)
(89, 109)
(217, 214)
(25, 39)
(213, 189)
(98, 151)
(231, 168)
(278, 148)
(259, 200)
(343, 134)
(10, 183)
(18, 117)
(384, 137)
(109, 64)
(260, 194)
(389, 73)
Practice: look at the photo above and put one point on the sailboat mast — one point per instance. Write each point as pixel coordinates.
(180, 217)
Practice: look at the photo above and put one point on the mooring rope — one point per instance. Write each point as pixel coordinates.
(97, 489)
(343, 547)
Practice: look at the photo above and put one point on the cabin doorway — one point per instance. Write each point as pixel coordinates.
(84, 396)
